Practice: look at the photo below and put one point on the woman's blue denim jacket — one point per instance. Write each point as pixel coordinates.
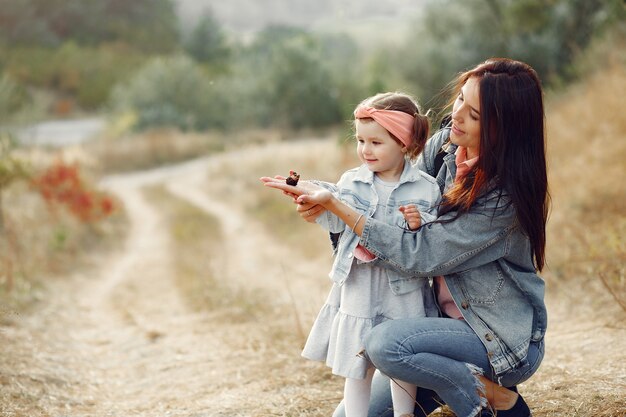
(356, 189)
(485, 259)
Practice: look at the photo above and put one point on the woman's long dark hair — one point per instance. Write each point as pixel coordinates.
(512, 148)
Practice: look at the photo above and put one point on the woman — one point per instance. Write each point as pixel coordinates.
(484, 250)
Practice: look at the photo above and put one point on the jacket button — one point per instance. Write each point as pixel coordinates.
(464, 305)
(349, 255)
(489, 337)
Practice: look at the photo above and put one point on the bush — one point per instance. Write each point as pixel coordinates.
(173, 92)
(86, 74)
(283, 80)
(12, 96)
(44, 236)
(62, 184)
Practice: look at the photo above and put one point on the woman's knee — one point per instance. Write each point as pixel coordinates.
(381, 343)
(376, 342)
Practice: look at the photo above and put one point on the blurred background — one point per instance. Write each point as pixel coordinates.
(95, 88)
(207, 65)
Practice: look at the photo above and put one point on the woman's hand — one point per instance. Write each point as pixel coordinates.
(309, 211)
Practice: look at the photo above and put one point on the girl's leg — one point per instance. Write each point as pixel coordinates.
(440, 354)
(380, 400)
(403, 396)
(356, 395)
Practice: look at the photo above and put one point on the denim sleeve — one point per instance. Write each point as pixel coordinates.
(440, 248)
(328, 220)
(429, 215)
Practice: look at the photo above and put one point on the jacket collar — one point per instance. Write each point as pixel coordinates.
(409, 174)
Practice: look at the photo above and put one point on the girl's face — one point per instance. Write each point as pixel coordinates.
(379, 151)
(466, 118)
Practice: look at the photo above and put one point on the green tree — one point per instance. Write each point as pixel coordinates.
(292, 86)
(207, 42)
(11, 169)
(302, 94)
(151, 25)
(350, 74)
(547, 34)
(171, 91)
(12, 97)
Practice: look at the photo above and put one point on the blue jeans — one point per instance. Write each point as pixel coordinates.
(434, 353)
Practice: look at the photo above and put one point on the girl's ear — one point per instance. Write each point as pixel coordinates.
(404, 149)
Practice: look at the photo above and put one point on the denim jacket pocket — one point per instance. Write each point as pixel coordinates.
(398, 220)
(483, 288)
(405, 284)
(354, 200)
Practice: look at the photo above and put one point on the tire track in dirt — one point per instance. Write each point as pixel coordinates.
(118, 340)
(249, 257)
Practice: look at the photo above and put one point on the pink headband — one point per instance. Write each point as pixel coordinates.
(398, 123)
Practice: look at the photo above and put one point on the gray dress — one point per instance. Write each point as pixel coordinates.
(352, 309)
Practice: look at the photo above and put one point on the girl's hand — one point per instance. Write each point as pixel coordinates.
(412, 216)
(306, 195)
(279, 179)
(295, 191)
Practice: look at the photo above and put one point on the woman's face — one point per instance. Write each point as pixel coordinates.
(466, 118)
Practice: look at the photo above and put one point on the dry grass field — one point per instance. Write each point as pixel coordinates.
(203, 306)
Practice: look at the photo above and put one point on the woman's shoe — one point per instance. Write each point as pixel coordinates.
(519, 409)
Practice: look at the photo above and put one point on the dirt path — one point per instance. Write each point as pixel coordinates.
(119, 341)
(115, 342)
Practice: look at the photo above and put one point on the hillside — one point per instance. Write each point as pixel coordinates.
(247, 16)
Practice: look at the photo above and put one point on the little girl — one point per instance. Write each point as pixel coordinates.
(390, 133)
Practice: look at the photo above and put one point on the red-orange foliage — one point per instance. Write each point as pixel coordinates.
(62, 184)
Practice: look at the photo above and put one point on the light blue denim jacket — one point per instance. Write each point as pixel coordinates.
(486, 262)
(356, 189)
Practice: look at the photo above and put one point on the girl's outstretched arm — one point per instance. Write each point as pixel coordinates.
(308, 211)
(308, 193)
(350, 217)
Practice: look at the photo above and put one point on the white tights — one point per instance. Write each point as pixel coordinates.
(356, 396)
(403, 397)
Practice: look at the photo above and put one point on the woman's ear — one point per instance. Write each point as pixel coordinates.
(404, 149)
